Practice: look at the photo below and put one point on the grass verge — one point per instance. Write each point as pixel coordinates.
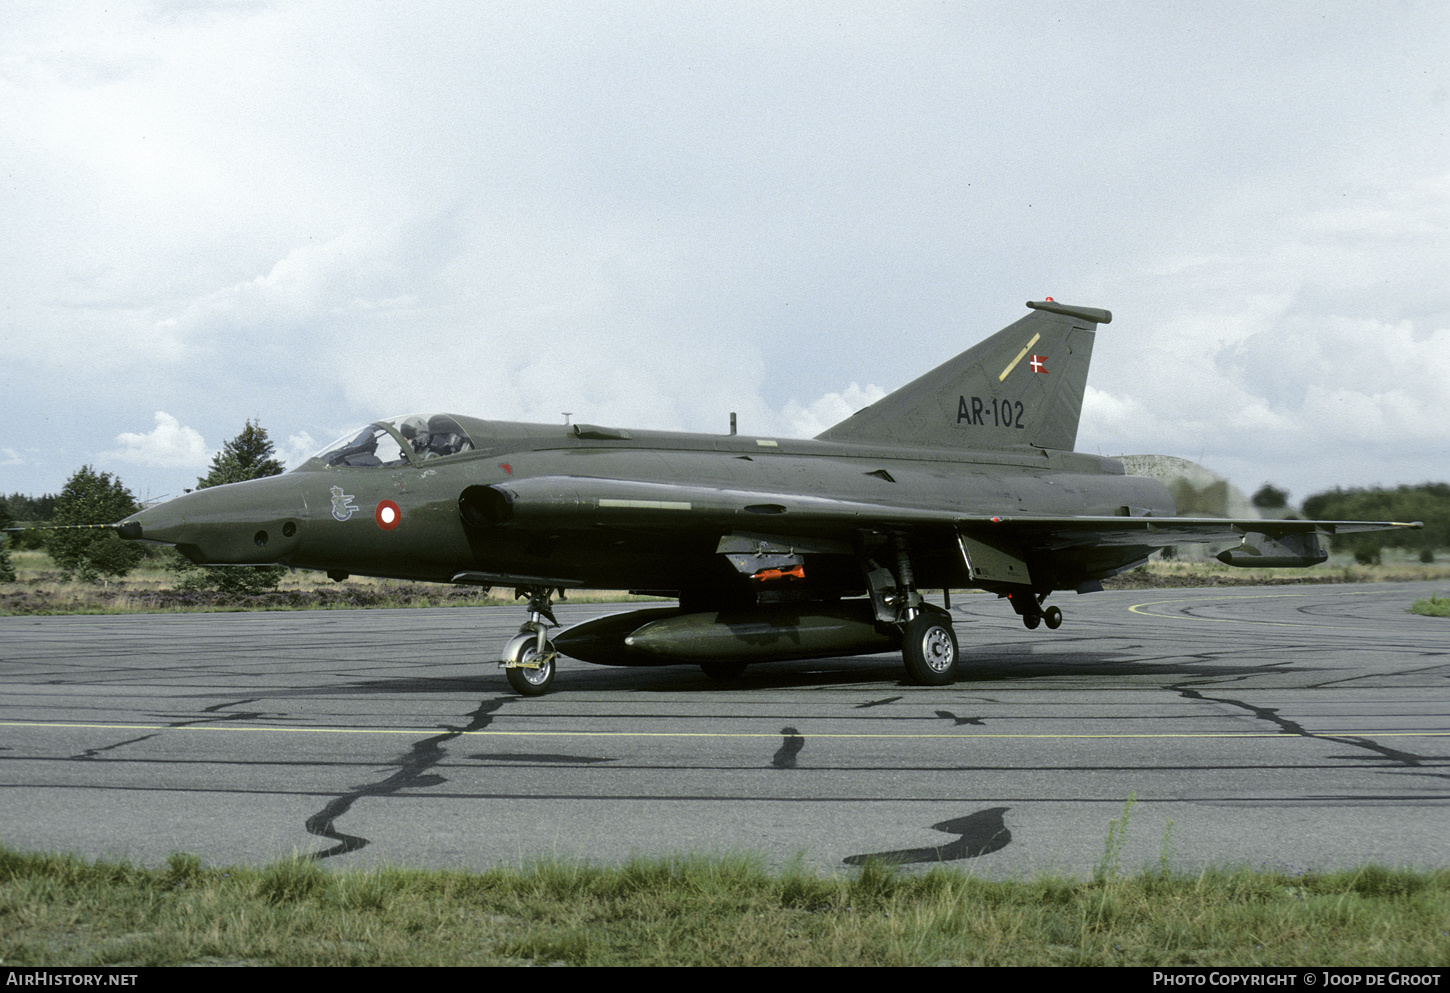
(41, 589)
(1434, 606)
(60, 910)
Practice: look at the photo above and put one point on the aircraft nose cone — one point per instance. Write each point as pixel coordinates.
(248, 523)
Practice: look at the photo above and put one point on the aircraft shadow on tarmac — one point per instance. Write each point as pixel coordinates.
(887, 670)
(977, 834)
(815, 673)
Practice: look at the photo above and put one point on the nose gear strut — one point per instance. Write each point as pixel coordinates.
(529, 657)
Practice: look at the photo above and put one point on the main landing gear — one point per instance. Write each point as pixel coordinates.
(1029, 606)
(929, 648)
(529, 657)
(928, 643)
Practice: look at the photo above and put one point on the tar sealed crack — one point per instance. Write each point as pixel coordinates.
(1271, 714)
(216, 716)
(412, 772)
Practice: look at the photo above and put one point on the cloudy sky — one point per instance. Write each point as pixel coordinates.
(316, 214)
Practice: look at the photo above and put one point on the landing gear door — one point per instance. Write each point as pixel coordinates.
(990, 564)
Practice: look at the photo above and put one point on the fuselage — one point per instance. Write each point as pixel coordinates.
(611, 509)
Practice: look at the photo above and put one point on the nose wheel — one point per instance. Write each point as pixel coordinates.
(529, 657)
(529, 667)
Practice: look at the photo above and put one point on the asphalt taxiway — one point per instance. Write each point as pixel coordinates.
(1298, 727)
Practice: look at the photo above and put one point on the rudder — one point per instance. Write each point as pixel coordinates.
(1023, 386)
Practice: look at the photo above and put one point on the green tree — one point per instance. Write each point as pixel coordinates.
(92, 553)
(1427, 502)
(7, 571)
(249, 455)
(1270, 497)
(30, 510)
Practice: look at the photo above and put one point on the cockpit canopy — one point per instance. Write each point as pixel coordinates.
(409, 439)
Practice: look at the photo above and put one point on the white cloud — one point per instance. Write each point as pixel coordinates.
(1298, 336)
(169, 445)
(651, 216)
(1114, 420)
(298, 449)
(827, 411)
(9, 456)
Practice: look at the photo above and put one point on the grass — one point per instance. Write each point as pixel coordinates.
(42, 589)
(1433, 606)
(60, 910)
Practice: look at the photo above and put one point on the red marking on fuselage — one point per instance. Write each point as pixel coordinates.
(388, 515)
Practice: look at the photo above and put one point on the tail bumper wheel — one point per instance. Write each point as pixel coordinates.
(929, 649)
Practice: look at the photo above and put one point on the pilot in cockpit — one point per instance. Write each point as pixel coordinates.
(415, 432)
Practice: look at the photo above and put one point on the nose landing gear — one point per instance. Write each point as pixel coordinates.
(529, 657)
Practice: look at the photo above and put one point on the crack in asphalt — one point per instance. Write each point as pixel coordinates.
(412, 772)
(1271, 714)
(214, 709)
(92, 753)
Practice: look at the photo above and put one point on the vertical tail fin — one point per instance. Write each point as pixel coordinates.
(1022, 386)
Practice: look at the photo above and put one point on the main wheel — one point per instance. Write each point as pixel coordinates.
(533, 682)
(929, 649)
(723, 670)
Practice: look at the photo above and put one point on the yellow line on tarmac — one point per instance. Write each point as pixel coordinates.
(715, 734)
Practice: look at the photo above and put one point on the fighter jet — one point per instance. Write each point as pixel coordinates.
(774, 548)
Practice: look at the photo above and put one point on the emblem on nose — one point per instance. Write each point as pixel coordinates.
(342, 506)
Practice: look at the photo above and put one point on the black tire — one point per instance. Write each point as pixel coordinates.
(1053, 617)
(929, 649)
(724, 670)
(1030, 621)
(533, 682)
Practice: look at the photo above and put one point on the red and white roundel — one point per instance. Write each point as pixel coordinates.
(389, 515)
